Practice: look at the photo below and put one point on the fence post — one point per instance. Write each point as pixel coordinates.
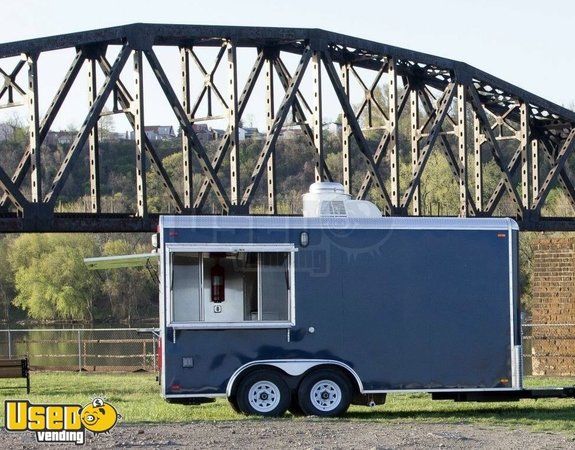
(154, 351)
(9, 344)
(79, 351)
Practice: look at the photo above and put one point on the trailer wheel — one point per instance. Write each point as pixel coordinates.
(324, 393)
(264, 393)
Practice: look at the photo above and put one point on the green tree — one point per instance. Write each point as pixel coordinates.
(51, 279)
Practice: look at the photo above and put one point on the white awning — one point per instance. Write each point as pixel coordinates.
(119, 261)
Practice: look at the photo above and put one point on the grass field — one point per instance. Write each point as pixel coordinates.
(137, 398)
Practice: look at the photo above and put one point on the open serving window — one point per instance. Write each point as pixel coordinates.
(230, 286)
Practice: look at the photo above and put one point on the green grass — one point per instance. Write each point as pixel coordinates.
(137, 398)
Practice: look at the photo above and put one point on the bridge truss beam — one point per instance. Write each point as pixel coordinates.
(497, 139)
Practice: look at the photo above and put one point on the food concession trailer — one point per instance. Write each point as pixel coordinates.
(338, 306)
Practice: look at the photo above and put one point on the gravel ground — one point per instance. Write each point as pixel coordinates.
(306, 433)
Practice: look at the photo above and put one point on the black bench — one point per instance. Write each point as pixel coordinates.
(15, 368)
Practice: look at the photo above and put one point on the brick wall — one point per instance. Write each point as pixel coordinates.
(553, 289)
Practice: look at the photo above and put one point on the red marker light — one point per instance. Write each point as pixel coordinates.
(501, 235)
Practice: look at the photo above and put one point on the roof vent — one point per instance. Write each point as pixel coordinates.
(328, 199)
(327, 187)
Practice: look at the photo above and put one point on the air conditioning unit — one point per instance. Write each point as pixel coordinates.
(328, 199)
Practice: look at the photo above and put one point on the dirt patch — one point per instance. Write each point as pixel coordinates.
(307, 433)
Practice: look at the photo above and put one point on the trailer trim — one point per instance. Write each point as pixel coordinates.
(516, 350)
(379, 223)
(293, 367)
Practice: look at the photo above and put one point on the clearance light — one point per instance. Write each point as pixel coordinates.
(304, 239)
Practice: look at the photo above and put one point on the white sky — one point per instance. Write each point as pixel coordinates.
(525, 42)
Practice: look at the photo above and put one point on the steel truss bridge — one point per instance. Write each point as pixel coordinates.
(452, 108)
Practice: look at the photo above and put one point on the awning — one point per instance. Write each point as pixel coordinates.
(119, 261)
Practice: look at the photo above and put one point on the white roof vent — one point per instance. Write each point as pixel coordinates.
(327, 187)
(328, 199)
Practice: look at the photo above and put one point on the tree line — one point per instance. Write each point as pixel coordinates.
(43, 277)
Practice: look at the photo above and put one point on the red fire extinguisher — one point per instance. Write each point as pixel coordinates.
(218, 277)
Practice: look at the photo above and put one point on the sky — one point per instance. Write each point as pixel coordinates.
(526, 42)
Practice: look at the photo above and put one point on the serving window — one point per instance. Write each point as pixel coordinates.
(231, 287)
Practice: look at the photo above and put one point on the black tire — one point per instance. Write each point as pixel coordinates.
(325, 393)
(263, 393)
(294, 407)
(234, 403)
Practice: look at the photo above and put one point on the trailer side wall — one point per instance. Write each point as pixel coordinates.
(418, 309)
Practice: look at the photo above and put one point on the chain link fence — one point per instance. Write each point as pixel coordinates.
(91, 350)
(549, 349)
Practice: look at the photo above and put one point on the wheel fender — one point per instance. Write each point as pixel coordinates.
(291, 367)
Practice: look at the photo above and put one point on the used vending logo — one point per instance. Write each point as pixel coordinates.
(60, 423)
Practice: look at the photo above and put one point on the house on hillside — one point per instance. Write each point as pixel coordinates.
(217, 134)
(250, 133)
(158, 132)
(203, 132)
(60, 137)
